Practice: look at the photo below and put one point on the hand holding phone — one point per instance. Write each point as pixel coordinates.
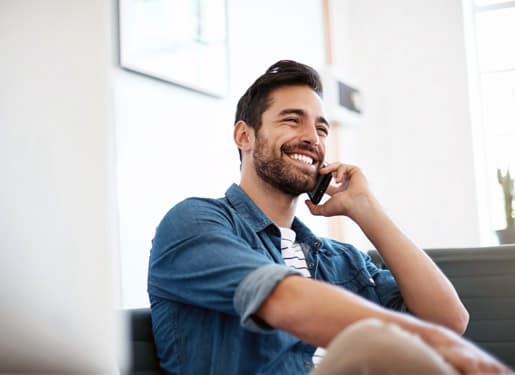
(321, 185)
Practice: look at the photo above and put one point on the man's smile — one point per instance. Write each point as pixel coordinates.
(303, 159)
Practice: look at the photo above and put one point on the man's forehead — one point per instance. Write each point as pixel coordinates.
(294, 91)
(295, 97)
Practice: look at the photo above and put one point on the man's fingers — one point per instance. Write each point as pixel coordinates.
(313, 208)
(332, 189)
(470, 361)
(320, 209)
(341, 172)
(460, 361)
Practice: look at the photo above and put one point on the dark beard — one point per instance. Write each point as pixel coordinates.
(277, 172)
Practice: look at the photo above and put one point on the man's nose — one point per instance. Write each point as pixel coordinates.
(310, 134)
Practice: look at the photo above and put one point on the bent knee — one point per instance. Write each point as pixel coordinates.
(372, 346)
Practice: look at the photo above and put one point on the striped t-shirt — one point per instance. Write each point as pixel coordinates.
(294, 257)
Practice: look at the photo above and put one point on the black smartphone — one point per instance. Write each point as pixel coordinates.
(321, 185)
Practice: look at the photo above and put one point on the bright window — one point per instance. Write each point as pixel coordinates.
(495, 46)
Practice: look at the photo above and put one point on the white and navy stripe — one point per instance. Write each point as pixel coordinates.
(294, 257)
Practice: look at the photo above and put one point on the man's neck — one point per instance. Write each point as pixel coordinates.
(277, 205)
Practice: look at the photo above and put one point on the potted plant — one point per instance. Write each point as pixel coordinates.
(506, 181)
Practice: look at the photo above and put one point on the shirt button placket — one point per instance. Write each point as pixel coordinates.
(316, 246)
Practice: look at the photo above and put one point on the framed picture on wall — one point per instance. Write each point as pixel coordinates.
(183, 42)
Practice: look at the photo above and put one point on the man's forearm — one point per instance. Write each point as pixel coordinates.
(426, 290)
(316, 312)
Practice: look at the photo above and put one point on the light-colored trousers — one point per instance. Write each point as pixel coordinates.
(371, 347)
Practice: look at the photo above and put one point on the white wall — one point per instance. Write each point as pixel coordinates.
(57, 212)
(415, 143)
(173, 143)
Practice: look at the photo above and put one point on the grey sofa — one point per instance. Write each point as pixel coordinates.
(484, 278)
(143, 359)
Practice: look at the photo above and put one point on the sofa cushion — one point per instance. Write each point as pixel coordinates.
(143, 353)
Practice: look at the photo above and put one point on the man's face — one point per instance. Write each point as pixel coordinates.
(290, 144)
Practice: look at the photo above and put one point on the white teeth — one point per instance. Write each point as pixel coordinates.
(304, 158)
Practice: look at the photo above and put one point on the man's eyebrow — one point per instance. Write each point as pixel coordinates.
(323, 120)
(300, 112)
(292, 111)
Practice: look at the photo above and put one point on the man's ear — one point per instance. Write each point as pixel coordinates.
(243, 136)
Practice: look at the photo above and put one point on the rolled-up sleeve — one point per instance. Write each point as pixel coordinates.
(253, 291)
(197, 258)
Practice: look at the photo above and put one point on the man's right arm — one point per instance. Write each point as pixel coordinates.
(300, 306)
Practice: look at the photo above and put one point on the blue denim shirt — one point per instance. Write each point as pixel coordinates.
(214, 261)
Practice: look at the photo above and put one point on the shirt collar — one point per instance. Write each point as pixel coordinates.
(304, 234)
(257, 219)
(246, 207)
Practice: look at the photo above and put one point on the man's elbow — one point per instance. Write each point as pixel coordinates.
(460, 321)
(455, 319)
(464, 321)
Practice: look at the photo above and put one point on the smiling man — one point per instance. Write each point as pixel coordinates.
(239, 285)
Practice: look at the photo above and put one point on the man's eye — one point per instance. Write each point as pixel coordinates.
(292, 119)
(323, 130)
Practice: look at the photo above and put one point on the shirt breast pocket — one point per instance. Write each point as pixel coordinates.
(359, 284)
